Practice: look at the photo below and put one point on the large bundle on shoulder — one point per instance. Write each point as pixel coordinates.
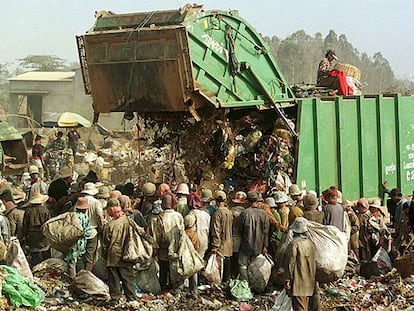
(331, 251)
(63, 231)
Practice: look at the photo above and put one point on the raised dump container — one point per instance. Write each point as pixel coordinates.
(170, 60)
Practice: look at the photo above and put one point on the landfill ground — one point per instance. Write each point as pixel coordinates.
(387, 292)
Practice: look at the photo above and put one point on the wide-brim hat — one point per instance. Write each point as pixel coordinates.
(310, 202)
(90, 188)
(252, 196)
(183, 189)
(294, 190)
(103, 192)
(375, 203)
(38, 198)
(65, 172)
(280, 197)
(299, 225)
(82, 203)
(270, 201)
(206, 196)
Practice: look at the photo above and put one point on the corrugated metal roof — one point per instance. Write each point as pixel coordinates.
(8, 132)
(45, 76)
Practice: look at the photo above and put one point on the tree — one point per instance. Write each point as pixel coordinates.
(4, 88)
(42, 63)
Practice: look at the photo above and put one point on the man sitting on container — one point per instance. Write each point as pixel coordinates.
(332, 78)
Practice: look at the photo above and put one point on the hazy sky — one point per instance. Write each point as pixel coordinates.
(48, 27)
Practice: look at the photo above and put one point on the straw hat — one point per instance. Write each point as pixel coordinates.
(90, 188)
(38, 198)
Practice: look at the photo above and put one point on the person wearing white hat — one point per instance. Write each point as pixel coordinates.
(182, 194)
(95, 215)
(300, 266)
(281, 200)
(35, 216)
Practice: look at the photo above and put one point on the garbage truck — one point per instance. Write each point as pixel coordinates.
(212, 72)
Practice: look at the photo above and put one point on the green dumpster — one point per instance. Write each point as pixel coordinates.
(356, 143)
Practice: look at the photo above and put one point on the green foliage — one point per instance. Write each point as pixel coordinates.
(4, 87)
(42, 63)
(298, 57)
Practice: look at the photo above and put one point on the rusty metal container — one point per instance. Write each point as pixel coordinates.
(164, 61)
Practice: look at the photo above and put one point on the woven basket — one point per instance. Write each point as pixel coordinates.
(405, 265)
(350, 71)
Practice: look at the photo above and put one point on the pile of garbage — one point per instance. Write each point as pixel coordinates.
(386, 292)
(51, 289)
(226, 150)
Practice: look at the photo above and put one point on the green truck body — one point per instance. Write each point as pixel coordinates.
(169, 61)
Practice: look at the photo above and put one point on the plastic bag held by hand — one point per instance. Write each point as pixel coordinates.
(214, 269)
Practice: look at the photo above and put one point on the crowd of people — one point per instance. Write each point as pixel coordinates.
(236, 225)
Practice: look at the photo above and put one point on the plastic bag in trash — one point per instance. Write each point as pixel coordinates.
(283, 302)
(16, 258)
(259, 272)
(147, 279)
(87, 284)
(240, 290)
(20, 290)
